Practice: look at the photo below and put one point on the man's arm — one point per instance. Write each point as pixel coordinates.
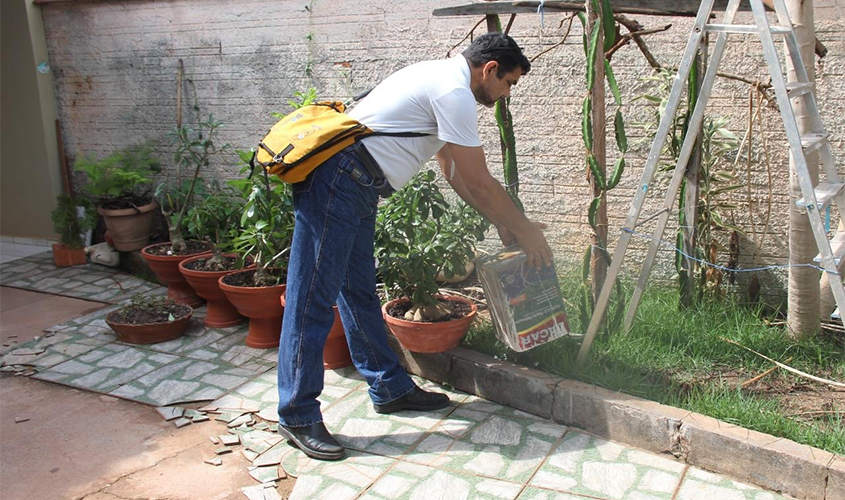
(485, 194)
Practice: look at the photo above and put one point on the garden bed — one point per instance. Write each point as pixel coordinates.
(680, 358)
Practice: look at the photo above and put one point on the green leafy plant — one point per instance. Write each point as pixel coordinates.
(69, 223)
(194, 147)
(716, 180)
(419, 234)
(122, 179)
(216, 219)
(266, 220)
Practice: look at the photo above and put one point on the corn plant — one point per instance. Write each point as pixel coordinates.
(602, 36)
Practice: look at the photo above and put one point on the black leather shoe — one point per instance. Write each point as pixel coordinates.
(314, 440)
(418, 400)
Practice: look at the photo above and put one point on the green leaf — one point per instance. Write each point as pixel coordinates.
(608, 25)
(591, 55)
(587, 123)
(618, 169)
(585, 264)
(611, 80)
(598, 175)
(593, 211)
(619, 129)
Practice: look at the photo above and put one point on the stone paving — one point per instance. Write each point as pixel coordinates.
(473, 449)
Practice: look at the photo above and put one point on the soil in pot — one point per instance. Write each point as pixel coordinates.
(193, 248)
(150, 322)
(247, 279)
(229, 263)
(457, 310)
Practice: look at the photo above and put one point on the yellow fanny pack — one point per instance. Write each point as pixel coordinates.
(304, 139)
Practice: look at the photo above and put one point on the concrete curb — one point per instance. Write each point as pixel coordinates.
(773, 463)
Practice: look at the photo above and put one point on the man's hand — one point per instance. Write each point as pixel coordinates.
(532, 241)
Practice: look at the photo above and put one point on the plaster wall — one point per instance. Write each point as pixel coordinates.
(29, 160)
(115, 79)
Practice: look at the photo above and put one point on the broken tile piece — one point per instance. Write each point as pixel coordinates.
(249, 454)
(181, 422)
(200, 418)
(259, 492)
(214, 461)
(273, 456)
(25, 351)
(228, 416)
(214, 439)
(229, 439)
(243, 419)
(222, 451)
(208, 408)
(264, 474)
(170, 412)
(261, 426)
(20, 420)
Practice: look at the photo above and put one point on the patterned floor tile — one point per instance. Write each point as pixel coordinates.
(55, 348)
(592, 466)
(355, 423)
(540, 494)
(341, 480)
(502, 446)
(232, 349)
(184, 380)
(106, 368)
(702, 485)
(346, 378)
(21, 269)
(408, 481)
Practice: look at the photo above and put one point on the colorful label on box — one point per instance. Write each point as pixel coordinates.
(536, 304)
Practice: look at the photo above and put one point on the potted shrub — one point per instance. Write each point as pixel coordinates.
(148, 320)
(217, 218)
(265, 237)
(193, 150)
(121, 185)
(418, 235)
(71, 219)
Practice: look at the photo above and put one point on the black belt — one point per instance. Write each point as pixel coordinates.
(380, 183)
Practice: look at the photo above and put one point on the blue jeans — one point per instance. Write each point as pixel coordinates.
(332, 261)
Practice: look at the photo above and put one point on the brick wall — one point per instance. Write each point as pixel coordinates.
(115, 75)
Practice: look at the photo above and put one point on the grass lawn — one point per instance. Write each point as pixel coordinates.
(678, 358)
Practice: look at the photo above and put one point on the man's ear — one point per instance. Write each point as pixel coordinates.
(489, 68)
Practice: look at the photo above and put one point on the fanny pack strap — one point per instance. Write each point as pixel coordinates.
(371, 165)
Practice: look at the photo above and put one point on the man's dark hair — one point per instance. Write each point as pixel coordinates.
(500, 48)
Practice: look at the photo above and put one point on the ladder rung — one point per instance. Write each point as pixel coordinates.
(825, 193)
(813, 141)
(745, 28)
(837, 245)
(796, 89)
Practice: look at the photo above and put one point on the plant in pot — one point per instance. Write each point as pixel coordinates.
(194, 147)
(418, 235)
(265, 237)
(71, 219)
(148, 320)
(120, 183)
(217, 218)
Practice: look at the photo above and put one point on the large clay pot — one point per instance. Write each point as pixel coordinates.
(166, 269)
(427, 337)
(262, 305)
(64, 256)
(220, 313)
(149, 333)
(336, 351)
(129, 227)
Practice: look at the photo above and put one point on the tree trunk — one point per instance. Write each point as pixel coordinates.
(803, 303)
(598, 260)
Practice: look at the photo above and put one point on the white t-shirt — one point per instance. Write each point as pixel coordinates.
(431, 97)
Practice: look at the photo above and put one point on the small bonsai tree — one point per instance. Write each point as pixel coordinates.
(194, 147)
(123, 178)
(68, 222)
(217, 219)
(267, 220)
(419, 234)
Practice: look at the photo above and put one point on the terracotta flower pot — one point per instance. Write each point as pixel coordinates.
(149, 333)
(336, 351)
(220, 313)
(64, 256)
(166, 269)
(129, 228)
(426, 337)
(263, 306)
